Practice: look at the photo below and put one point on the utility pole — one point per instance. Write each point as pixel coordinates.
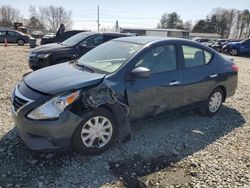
(98, 21)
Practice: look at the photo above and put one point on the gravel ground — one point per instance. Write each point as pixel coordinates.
(182, 150)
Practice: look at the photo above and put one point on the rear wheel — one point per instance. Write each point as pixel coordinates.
(20, 42)
(213, 103)
(96, 133)
(234, 52)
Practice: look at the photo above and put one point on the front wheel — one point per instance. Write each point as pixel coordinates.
(212, 105)
(96, 133)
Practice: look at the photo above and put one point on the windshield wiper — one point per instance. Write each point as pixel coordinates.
(86, 68)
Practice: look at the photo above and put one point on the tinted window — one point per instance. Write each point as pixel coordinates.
(195, 56)
(75, 39)
(159, 59)
(10, 33)
(2, 33)
(192, 56)
(94, 41)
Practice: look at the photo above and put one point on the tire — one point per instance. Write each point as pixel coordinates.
(20, 42)
(82, 133)
(213, 103)
(234, 52)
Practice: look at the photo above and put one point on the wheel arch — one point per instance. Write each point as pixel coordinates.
(20, 39)
(224, 90)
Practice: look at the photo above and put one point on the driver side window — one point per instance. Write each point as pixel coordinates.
(94, 41)
(159, 59)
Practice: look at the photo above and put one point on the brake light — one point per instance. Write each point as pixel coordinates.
(234, 68)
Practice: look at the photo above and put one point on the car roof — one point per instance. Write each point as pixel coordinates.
(117, 34)
(8, 30)
(89, 33)
(150, 39)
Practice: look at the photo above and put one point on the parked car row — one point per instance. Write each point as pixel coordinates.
(53, 38)
(231, 46)
(70, 49)
(89, 103)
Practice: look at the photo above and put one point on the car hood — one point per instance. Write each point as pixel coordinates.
(62, 77)
(49, 48)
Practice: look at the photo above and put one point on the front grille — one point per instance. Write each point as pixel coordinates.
(18, 103)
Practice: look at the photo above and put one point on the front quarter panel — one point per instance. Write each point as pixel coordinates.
(109, 95)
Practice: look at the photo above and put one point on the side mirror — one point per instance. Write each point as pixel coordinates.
(139, 73)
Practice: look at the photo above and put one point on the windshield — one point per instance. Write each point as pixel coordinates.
(109, 56)
(75, 39)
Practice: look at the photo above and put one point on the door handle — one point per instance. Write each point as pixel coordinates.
(173, 83)
(213, 75)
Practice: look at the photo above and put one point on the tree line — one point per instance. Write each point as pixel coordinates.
(41, 18)
(228, 23)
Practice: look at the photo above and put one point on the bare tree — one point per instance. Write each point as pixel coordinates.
(52, 16)
(244, 22)
(8, 15)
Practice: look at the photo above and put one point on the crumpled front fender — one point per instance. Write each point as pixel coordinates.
(103, 96)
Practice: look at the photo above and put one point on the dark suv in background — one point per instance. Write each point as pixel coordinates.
(70, 49)
(13, 36)
(60, 37)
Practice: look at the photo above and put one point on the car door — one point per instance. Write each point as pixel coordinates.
(162, 91)
(89, 43)
(2, 36)
(11, 36)
(200, 74)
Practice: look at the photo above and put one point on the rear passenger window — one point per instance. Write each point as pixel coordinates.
(195, 56)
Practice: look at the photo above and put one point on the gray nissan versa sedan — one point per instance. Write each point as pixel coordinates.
(88, 104)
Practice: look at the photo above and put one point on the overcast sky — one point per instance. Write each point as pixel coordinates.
(129, 13)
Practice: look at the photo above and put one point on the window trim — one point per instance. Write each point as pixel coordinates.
(192, 46)
(160, 45)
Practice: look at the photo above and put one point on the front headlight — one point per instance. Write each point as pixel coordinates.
(54, 107)
(43, 55)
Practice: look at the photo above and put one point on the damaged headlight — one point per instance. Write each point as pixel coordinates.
(54, 107)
